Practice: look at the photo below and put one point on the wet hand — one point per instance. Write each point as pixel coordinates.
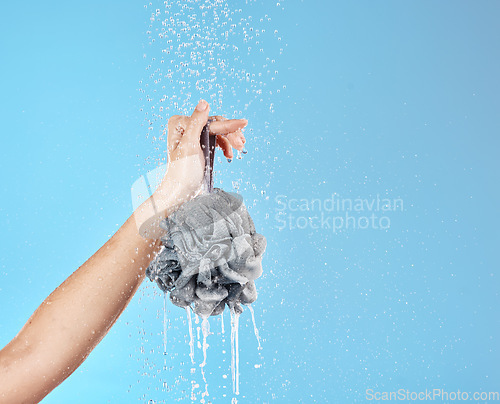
(185, 157)
(184, 132)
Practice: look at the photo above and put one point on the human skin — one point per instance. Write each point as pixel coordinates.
(76, 316)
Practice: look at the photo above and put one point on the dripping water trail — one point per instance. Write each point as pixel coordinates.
(165, 324)
(237, 348)
(205, 327)
(256, 331)
(234, 351)
(194, 385)
(191, 337)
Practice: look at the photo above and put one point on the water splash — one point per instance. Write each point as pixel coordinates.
(209, 50)
(228, 54)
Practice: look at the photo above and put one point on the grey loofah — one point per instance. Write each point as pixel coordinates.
(211, 254)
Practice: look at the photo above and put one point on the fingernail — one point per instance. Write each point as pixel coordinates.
(244, 120)
(229, 160)
(202, 105)
(244, 151)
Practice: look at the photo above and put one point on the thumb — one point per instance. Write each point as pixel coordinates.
(197, 120)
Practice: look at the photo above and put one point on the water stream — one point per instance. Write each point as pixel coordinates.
(255, 330)
(235, 371)
(191, 337)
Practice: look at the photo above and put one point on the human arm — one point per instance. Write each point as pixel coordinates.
(70, 323)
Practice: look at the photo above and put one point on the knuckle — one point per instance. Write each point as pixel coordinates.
(192, 123)
(172, 121)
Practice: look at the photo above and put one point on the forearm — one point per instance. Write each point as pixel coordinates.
(74, 318)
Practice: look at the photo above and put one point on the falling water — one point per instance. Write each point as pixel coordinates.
(256, 331)
(191, 337)
(205, 327)
(165, 324)
(222, 321)
(235, 372)
(207, 50)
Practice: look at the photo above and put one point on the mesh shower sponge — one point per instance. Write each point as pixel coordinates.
(210, 256)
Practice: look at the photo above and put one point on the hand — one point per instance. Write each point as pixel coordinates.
(185, 157)
(186, 164)
(184, 133)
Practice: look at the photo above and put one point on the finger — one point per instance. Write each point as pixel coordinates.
(226, 147)
(197, 121)
(236, 139)
(222, 127)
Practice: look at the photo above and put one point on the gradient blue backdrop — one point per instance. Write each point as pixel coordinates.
(397, 99)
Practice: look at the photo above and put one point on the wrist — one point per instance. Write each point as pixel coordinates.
(167, 198)
(181, 183)
(153, 210)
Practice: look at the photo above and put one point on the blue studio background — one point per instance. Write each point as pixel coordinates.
(391, 100)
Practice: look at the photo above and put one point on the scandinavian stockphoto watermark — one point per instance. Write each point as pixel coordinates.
(336, 213)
